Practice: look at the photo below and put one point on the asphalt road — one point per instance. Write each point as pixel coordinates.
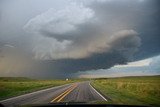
(76, 92)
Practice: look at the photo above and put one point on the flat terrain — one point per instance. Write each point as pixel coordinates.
(75, 92)
(125, 90)
(13, 86)
(130, 90)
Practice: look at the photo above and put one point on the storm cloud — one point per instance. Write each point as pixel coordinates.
(67, 34)
(80, 35)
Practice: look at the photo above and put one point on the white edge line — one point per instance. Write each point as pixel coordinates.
(98, 93)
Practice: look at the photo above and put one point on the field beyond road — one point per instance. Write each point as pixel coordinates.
(130, 90)
(14, 86)
(125, 90)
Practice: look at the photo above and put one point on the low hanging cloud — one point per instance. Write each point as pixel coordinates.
(118, 50)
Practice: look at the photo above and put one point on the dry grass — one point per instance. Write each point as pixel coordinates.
(131, 90)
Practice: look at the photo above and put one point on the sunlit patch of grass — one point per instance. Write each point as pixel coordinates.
(131, 90)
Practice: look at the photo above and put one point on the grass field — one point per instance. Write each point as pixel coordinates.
(13, 86)
(130, 90)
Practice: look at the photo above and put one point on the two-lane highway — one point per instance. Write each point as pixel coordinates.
(76, 92)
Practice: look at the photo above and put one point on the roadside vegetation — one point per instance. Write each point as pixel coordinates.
(130, 90)
(13, 86)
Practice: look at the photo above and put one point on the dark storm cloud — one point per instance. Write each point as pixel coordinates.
(149, 29)
(81, 37)
(65, 68)
(120, 53)
(142, 16)
(81, 34)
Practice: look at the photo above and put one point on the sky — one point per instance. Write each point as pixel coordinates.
(79, 38)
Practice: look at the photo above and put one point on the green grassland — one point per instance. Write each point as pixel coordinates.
(130, 90)
(13, 86)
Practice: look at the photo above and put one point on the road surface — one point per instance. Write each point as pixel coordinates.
(75, 92)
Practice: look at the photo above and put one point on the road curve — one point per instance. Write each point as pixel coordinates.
(76, 92)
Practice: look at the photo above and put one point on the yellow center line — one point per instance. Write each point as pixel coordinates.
(67, 93)
(62, 93)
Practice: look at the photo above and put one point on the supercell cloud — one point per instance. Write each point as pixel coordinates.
(64, 36)
(78, 36)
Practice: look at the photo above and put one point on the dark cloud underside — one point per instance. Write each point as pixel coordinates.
(72, 36)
